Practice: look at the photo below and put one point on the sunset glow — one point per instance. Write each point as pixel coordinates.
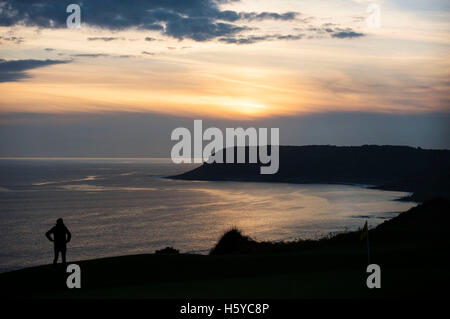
(401, 67)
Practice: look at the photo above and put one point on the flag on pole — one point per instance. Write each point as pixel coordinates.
(365, 234)
(365, 231)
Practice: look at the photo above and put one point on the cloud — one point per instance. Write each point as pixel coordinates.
(233, 16)
(16, 70)
(268, 16)
(258, 38)
(359, 18)
(330, 29)
(199, 20)
(17, 40)
(98, 55)
(90, 55)
(323, 31)
(147, 53)
(106, 39)
(201, 29)
(347, 34)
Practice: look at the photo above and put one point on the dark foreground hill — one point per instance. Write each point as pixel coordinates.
(411, 250)
(426, 173)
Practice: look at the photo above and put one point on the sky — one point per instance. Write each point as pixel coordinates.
(136, 70)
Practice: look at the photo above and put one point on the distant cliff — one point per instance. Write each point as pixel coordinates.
(403, 168)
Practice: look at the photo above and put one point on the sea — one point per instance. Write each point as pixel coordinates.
(128, 206)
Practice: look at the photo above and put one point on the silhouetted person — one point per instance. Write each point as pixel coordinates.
(61, 236)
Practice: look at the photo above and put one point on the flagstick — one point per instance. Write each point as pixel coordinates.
(368, 246)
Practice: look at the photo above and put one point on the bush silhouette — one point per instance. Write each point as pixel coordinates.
(167, 251)
(233, 242)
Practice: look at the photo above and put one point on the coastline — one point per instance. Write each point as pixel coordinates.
(423, 173)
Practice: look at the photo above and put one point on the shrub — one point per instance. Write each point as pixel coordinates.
(233, 242)
(167, 251)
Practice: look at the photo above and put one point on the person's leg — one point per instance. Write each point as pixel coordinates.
(63, 256)
(55, 260)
